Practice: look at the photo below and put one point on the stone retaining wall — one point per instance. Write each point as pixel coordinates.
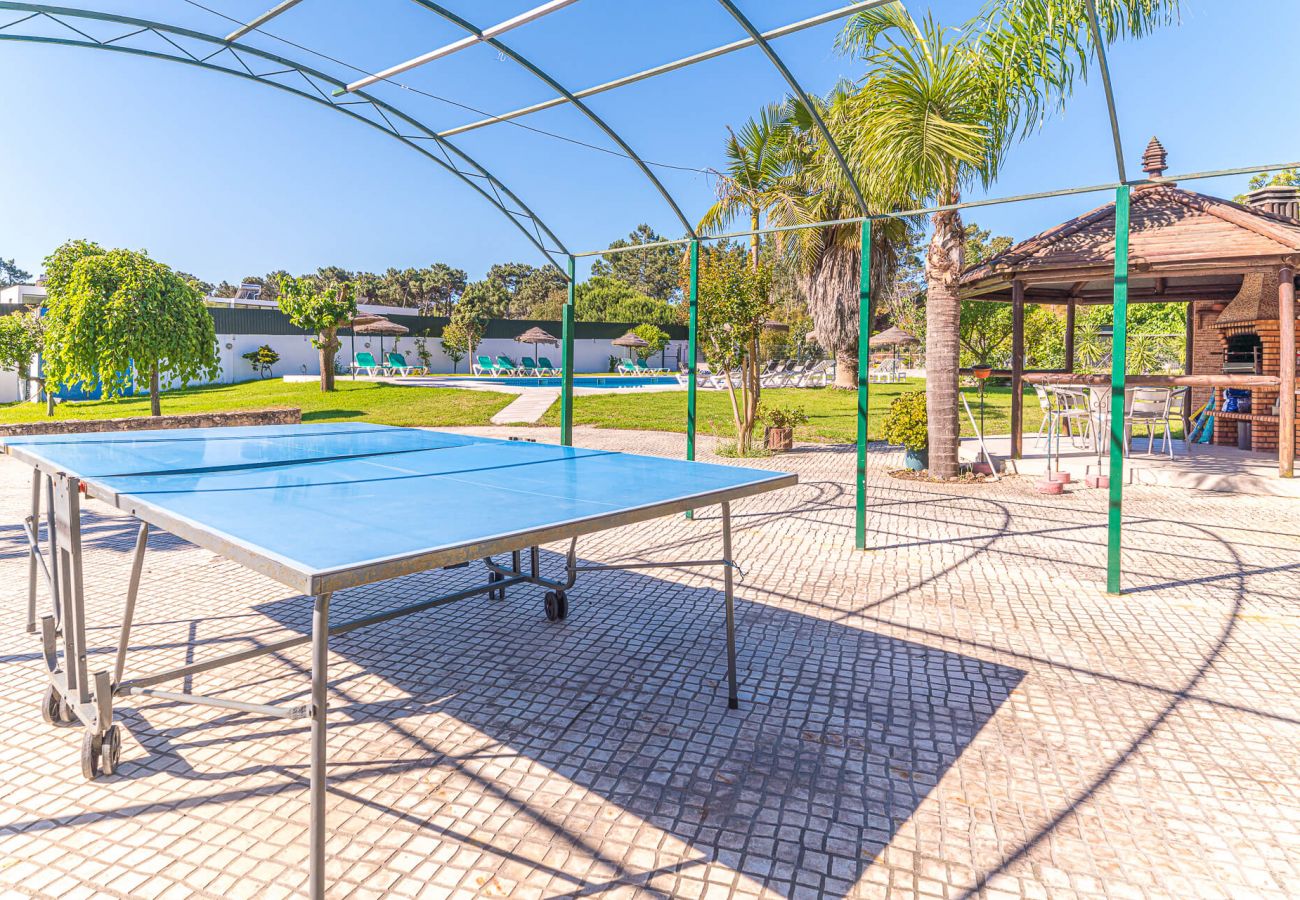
(277, 415)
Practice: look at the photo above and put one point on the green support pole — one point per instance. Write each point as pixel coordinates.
(1118, 367)
(864, 390)
(566, 388)
(692, 352)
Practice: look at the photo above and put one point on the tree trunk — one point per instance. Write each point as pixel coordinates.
(846, 369)
(155, 402)
(943, 264)
(328, 347)
(753, 238)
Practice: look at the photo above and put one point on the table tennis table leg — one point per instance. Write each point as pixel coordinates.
(320, 645)
(35, 521)
(733, 697)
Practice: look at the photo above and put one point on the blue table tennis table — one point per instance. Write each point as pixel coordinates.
(323, 508)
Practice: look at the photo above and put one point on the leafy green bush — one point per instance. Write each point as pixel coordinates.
(905, 422)
(783, 417)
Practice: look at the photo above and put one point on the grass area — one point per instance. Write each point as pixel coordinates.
(385, 404)
(832, 413)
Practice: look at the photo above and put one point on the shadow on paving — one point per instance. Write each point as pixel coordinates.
(841, 734)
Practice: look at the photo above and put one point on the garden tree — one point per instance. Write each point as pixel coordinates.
(903, 299)
(937, 111)
(462, 334)
(441, 286)
(203, 287)
(22, 337)
(262, 359)
(984, 329)
(606, 299)
(734, 301)
(225, 290)
(542, 293)
(755, 183)
(319, 308)
(485, 300)
(510, 276)
(113, 312)
(1157, 336)
(1285, 178)
(655, 337)
(652, 271)
(10, 273)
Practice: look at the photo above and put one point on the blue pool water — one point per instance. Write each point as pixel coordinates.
(589, 381)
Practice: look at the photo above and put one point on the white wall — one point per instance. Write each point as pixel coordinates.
(299, 357)
(10, 389)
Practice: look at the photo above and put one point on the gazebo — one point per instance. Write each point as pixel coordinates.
(1233, 264)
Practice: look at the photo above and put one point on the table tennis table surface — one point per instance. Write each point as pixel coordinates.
(322, 507)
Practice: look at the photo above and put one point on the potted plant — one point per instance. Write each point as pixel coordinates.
(781, 423)
(905, 424)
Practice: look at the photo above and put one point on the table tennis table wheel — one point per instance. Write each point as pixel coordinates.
(557, 606)
(100, 753)
(496, 593)
(53, 710)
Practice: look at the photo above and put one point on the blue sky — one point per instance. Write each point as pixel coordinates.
(225, 178)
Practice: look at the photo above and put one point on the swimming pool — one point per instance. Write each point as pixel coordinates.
(587, 381)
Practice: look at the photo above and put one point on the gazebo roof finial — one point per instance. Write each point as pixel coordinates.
(1155, 160)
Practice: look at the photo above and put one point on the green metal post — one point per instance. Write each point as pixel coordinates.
(566, 353)
(1118, 367)
(864, 391)
(692, 352)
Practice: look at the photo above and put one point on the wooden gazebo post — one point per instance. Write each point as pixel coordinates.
(1286, 406)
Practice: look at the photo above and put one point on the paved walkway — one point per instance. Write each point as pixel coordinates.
(528, 407)
(962, 711)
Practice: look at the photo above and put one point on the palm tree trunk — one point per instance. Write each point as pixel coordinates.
(943, 264)
(753, 237)
(155, 402)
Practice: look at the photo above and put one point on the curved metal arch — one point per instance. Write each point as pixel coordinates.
(781, 67)
(564, 92)
(386, 112)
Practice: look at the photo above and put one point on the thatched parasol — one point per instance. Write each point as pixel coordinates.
(892, 337)
(381, 327)
(537, 336)
(632, 341)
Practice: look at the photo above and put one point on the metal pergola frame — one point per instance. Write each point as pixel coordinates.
(227, 56)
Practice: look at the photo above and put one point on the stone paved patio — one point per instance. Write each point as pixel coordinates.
(962, 711)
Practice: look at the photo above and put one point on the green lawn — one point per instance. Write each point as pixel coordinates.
(832, 413)
(386, 404)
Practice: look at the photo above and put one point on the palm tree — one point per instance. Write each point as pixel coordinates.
(937, 111)
(755, 181)
(829, 255)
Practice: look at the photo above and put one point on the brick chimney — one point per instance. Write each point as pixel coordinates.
(1279, 199)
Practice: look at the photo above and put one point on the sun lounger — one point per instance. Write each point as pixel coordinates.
(546, 367)
(506, 366)
(398, 365)
(529, 366)
(626, 367)
(364, 364)
(484, 366)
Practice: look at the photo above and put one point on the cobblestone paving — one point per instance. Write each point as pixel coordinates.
(960, 712)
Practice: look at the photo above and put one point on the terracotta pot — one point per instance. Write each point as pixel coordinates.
(1050, 487)
(779, 439)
